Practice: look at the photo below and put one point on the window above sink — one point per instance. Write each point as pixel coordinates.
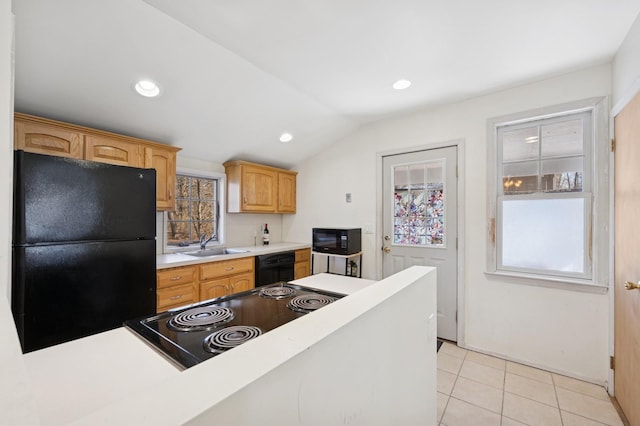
(199, 211)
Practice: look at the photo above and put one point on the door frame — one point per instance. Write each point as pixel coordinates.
(460, 146)
(626, 97)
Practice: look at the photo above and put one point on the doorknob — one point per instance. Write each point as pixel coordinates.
(631, 285)
(386, 249)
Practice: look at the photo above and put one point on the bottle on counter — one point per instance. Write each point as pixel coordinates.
(265, 235)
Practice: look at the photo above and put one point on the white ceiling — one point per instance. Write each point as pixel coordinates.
(236, 74)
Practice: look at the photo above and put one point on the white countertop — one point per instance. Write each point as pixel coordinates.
(303, 363)
(180, 259)
(74, 379)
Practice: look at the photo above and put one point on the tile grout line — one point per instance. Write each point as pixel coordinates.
(555, 392)
(452, 388)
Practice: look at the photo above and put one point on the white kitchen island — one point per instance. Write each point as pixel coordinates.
(327, 367)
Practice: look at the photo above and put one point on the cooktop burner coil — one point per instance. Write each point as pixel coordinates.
(309, 302)
(201, 318)
(277, 292)
(230, 337)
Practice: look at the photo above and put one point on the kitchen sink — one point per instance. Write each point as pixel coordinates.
(214, 252)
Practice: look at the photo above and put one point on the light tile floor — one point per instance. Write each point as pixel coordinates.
(480, 390)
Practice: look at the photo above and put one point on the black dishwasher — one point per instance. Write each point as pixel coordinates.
(273, 268)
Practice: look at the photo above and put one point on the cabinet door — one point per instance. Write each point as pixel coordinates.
(214, 289)
(301, 270)
(105, 150)
(258, 189)
(241, 282)
(286, 192)
(45, 139)
(164, 163)
(303, 255)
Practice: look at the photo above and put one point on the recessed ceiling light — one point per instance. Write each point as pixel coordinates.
(147, 88)
(401, 84)
(286, 137)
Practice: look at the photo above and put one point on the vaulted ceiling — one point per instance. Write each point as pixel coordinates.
(235, 75)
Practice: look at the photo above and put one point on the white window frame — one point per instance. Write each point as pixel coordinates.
(222, 197)
(596, 192)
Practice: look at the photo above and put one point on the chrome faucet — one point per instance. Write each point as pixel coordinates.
(204, 241)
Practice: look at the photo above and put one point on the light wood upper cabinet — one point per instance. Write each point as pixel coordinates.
(164, 162)
(46, 139)
(106, 150)
(254, 188)
(286, 192)
(51, 137)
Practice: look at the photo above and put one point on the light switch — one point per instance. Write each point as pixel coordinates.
(348, 197)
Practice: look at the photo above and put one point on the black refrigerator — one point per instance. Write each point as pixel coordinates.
(84, 251)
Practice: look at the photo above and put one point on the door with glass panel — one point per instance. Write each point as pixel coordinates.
(420, 222)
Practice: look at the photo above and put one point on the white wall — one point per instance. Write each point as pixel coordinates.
(16, 401)
(557, 329)
(626, 67)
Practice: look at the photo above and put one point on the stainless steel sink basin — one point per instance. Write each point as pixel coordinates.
(214, 252)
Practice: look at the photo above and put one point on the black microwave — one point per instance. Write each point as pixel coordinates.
(337, 240)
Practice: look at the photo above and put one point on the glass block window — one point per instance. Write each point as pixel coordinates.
(197, 211)
(419, 208)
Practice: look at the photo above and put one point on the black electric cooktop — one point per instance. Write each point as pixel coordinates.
(195, 333)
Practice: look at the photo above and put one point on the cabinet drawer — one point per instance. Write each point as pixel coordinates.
(178, 295)
(225, 268)
(303, 255)
(175, 276)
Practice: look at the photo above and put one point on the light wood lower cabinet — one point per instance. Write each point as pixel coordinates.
(225, 286)
(302, 267)
(241, 282)
(176, 287)
(189, 284)
(214, 288)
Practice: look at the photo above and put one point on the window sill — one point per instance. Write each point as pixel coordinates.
(583, 286)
